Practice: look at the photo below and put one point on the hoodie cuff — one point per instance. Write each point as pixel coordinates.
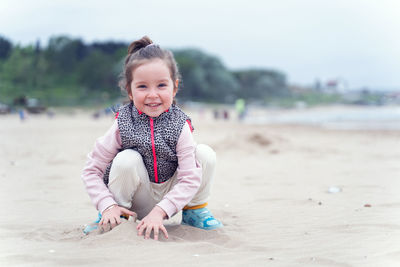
(168, 207)
(105, 203)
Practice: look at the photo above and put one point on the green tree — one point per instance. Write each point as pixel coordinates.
(259, 84)
(205, 78)
(5, 48)
(70, 72)
(65, 53)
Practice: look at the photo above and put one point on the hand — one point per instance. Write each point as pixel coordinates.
(112, 216)
(153, 221)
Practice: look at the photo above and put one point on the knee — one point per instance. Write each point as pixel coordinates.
(127, 160)
(206, 155)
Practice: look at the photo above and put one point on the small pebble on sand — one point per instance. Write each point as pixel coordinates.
(334, 189)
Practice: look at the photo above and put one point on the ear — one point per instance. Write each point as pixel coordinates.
(128, 89)
(176, 87)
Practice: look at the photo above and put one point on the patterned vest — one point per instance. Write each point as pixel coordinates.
(154, 138)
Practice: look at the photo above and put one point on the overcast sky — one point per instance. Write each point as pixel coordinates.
(355, 40)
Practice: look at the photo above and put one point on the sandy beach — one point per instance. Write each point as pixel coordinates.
(271, 192)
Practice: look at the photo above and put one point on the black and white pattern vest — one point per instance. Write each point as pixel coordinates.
(154, 138)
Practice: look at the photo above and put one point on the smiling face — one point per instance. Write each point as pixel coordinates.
(152, 89)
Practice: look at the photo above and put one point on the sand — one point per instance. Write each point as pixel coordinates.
(270, 191)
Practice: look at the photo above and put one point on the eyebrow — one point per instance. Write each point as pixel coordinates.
(158, 81)
(163, 80)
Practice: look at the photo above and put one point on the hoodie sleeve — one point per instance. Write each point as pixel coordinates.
(104, 151)
(188, 175)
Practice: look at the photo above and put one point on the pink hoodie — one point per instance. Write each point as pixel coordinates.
(106, 147)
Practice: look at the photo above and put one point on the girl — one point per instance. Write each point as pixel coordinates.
(147, 164)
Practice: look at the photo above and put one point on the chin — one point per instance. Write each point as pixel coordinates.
(153, 114)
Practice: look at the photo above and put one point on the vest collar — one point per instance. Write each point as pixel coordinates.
(141, 112)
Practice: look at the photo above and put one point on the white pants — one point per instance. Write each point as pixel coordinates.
(129, 181)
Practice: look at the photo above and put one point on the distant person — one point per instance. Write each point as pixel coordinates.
(21, 113)
(240, 106)
(50, 113)
(147, 164)
(216, 114)
(225, 114)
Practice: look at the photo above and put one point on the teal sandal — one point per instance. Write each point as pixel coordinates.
(200, 218)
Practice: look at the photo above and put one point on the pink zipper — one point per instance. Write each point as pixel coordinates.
(190, 125)
(154, 150)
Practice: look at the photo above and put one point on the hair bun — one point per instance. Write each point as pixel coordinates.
(139, 44)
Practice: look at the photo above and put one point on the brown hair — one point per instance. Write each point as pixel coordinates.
(141, 51)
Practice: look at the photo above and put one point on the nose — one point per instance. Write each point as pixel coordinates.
(152, 92)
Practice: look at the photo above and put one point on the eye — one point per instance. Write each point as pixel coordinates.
(141, 86)
(162, 85)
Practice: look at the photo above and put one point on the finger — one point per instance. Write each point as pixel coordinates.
(148, 232)
(139, 225)
(162, 227)
(113, 222)
(103, 221)
(141, 229)
(105, 226)
(128, 211)
(155, 232)
(118, 220)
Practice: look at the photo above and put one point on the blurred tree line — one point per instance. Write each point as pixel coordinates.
(70, 72)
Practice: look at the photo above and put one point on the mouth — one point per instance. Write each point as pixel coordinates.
(153, 105)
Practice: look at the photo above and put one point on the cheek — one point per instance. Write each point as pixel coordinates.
(169, 95)
(133, 95)
(139, 96)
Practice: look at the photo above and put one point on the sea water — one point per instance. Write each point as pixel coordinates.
(346, 118)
